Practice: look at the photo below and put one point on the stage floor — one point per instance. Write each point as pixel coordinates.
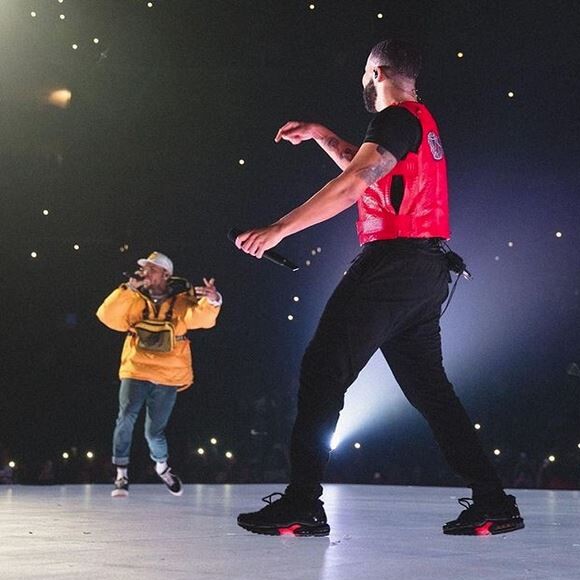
(377, 532)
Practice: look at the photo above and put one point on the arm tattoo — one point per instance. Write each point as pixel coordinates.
(332, 142)
(372, 173)
(348, 154)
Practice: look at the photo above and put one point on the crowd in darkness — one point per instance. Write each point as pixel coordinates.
(260, 454)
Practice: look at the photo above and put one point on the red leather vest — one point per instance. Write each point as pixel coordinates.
(424, 211)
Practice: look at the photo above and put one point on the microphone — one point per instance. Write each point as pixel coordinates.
(135, 275)
(268, 254)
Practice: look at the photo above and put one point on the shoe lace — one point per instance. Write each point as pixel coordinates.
(269, 498)
(466, 502)
(167, 476)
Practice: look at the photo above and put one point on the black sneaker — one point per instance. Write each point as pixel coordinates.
(287, 516)
(121, 487)
(172, 481)
(482, 519)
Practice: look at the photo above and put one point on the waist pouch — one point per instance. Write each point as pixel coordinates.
(155, 335)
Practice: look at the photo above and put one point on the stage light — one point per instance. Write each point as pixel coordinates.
(149, 4)
(296, 299)
(213, 441)
(60, 98)
(459, 55)
(75, 46)
(578, 445)
(496, 452)
(357, 445)
(319, 249)
(313, 252)
(96, 40)
(65, 455)
(90, 455)
(308, 262)
(76, 247)
(60, 1)
(11, 464)
(290, 317)
(312, 6)
(229, 455)
(242, 161)
(552, 458)
(201, 451)
(62, 16)
(33, 255)
(379, 15)
(45, 212)
(33, 14)
(334, 442)
(559, 234)
(496, 258)
(477, 426)
(511, 94)
(511, 244)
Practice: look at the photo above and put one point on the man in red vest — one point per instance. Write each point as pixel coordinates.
(390, 299)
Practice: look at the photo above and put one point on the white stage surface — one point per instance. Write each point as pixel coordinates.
(377, 532)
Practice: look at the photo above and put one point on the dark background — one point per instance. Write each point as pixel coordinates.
(147, 157)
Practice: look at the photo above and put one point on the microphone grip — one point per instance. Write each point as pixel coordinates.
(271, 255)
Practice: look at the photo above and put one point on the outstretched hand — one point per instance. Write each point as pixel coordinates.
(208, 290)
(296, 132)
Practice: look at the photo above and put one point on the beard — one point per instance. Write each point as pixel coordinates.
(370, 97)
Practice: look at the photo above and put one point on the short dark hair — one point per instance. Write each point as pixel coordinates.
(401, 56)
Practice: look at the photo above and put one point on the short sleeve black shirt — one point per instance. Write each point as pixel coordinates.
(396, 130)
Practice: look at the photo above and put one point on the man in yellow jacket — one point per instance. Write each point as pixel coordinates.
(156, 310)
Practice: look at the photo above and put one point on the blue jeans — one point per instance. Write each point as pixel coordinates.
(159, 399)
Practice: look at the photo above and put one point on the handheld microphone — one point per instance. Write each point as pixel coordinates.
(135, 275)
(268, 254)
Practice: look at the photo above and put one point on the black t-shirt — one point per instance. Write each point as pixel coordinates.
(396, 130)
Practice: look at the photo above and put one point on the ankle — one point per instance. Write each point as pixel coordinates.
(161, 466)
(122, 472)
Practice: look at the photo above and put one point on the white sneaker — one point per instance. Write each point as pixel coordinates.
(121, 488)
(172, 482)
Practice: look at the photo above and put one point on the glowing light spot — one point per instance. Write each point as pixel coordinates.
(511, 94)
(242, 161)
(149, 4)
(379, 15)
(60, 98)
(90, 455)
(76, 247)
(33, 14)
(319, 249)
(552, 458)
(357, 445)
(496, 258)
(477, 426)
(33, 255)
(296, 299)
(201, 451)
(96, 40)
(313, 252)
(578, 445)
(229, 455)
(45, 212)
(75, 46)
(62, 16)
(511, 244)
(459, 55)
(308, 262)
(60, 1)
(497, 452)
(65, 455)
(559, 234)
(290, 317)
(11, 464)
(311, 6)
(213, 441)
(334, 442)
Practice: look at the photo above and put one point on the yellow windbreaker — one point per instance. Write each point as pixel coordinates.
(124, 307)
